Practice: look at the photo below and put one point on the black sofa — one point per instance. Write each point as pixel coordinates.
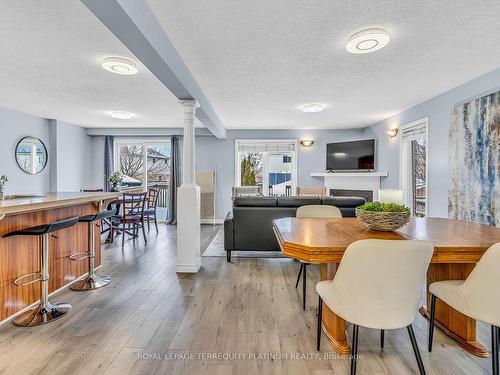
(249, 226)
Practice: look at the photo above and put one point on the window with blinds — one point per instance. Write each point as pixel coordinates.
(265, 146)
(414, 132)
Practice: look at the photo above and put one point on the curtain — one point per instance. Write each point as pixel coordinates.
(108, 160)
(175, 179)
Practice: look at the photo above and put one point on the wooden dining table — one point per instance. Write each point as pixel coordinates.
(458, 246)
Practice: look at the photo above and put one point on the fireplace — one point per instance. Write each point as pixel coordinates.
(367, 194)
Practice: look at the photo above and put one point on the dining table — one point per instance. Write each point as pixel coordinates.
(458, 246)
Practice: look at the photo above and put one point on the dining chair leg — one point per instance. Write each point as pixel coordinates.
(304, 286)
(432, 322)
(320, 316)
(298, 277)
(148, 223)
(415, 349)
(143, 231)
(156, 223)
(354, 358)
(123, 236)
(495, 333)
(382, 336)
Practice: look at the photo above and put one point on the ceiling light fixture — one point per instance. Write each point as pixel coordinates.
(312, 107)
(120, 115)
(368, 40)
(119, 65)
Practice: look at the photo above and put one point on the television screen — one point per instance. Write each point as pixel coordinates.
(349, 156)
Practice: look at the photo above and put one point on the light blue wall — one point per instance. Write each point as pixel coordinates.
(14, 126)
(438, 110)
(219, 155)
(70, 159)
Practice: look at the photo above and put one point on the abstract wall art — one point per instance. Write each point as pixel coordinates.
(474, 161)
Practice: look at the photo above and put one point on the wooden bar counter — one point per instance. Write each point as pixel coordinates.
(20, 255)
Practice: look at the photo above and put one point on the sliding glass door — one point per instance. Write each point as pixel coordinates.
(145, 163)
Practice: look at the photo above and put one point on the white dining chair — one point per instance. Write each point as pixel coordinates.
(313, 211)
(477, 297)
(377, 285)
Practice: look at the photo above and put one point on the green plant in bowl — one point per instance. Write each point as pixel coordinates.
(383, 216)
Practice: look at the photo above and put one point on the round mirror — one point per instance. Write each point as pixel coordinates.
(31, 155)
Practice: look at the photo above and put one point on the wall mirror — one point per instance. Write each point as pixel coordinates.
(31, 155)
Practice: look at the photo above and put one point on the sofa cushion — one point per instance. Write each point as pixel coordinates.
(296, 201)
(343, 201)
(254, 202)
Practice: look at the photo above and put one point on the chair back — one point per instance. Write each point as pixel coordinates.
(482, 287)
(311, 191)
(91, 190)
(133, 204)
(379, 282)
(246, 191)
(153, 194)
(319, 211)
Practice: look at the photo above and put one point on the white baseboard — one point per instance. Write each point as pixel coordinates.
(212, 221)
(187, 268)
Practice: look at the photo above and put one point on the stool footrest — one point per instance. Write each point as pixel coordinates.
(38, 279)
(79, 256)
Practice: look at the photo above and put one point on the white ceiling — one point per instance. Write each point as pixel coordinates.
(256, 61)
(50, 66)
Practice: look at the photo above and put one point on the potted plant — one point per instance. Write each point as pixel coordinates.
(116, 180)
(383, 216)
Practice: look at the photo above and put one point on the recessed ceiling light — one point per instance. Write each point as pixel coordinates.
(312, 107)
(119, 65)
(120, 115)
(366, 41)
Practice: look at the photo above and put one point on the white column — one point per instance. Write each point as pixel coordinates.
(188, 199)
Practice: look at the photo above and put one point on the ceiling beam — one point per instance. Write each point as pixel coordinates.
(135, 25)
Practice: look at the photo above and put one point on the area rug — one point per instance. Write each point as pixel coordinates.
(216, 249)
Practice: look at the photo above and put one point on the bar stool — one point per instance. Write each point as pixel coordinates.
(92, 281)
(46, 311)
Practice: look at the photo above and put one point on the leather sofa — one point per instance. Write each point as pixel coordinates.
(249, 226)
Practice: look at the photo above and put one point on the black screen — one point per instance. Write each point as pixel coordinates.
(351, 155)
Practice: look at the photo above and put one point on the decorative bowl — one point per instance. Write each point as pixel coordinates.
(382, 221)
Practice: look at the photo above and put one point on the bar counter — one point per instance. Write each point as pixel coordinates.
(20, 255)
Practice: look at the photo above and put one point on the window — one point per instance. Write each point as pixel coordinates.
(269, 164)
(414, 166)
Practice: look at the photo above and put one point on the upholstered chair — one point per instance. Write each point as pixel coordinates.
(311, 191)
(377, 285)
(313, 211)
(477, 297)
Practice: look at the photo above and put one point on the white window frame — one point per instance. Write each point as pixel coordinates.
(144, 142)
(404, 164)
(237, 166)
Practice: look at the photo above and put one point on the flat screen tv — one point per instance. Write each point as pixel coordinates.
(351, 156)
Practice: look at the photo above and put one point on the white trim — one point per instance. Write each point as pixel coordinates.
(402, 185)
(350, 174)
(187, 268)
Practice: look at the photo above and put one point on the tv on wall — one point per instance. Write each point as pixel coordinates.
(351, 156)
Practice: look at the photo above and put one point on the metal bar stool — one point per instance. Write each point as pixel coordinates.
(46, 311)
(92, 281)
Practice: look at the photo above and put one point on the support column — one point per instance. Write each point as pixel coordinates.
(188, 199)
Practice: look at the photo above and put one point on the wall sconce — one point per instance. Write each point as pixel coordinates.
(307, 142)
(392, 132)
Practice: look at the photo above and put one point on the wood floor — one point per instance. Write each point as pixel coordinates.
(152, 321)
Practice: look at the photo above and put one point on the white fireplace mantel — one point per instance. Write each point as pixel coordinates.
(352, 180)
